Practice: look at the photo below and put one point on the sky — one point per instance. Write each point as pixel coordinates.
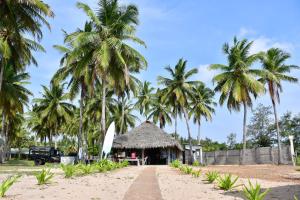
(194, 30)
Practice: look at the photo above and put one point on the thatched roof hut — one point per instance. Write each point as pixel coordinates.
(150, 143)
(145, 136)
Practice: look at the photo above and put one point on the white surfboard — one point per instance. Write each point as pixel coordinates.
(108, 140)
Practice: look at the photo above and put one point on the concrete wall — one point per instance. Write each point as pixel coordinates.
(260, 155)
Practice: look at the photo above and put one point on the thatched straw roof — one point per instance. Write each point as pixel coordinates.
(146, 135)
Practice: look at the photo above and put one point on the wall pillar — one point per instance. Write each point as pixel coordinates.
(169, 156)
(143, 156)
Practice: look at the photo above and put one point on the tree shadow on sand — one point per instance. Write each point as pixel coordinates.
(286, 192)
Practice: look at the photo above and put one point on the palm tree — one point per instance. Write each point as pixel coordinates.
(113, 57)
(144, 98)
(13, 96)
(80, 76)
(123, 117)
(160, 111)
(237, 80)
(275, 71)
(180, 87)
(202, 105)
(18, 18)
(53, 108)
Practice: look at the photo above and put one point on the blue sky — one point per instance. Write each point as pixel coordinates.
(194, 30)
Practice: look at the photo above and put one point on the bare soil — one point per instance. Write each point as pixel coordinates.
(282, 173)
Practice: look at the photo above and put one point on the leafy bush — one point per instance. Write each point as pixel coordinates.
(69, 170)
(176, 164)
(211, 176)
(196, 174)
(295, 198)
(227, 182)
(186, 169)
(44, 176)
(196, 163)
(85, 169)
(7, 183)
(253, 192)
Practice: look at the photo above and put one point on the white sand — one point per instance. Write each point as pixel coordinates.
(110, 185)
(175, 185)
(113, 185)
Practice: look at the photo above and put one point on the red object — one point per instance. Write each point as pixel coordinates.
(133, 155)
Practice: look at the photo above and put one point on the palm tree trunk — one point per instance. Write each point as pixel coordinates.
(2, 157)
(176, 124)
(1, 76)
(103, 128)
(122, 119)
(6, 144)
(80, 124)
(244, 133)
(191, 160)
(278, 133)
(199, 136)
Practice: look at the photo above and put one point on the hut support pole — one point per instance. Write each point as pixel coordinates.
(169, 156)
(143, 156)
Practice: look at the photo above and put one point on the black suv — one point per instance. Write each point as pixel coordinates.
(41, 155)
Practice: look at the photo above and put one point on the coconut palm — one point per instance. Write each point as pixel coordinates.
(237, 81)
(203, 104)
(17, 18)
(80, 76)
(53, 108)
(144, 98)
(122, 116)
(180, 87)
(114, 58)
(275, 71)
(13, 96)
(159, 111)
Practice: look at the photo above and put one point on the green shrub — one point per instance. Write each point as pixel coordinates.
(295, 198)
(124, 163)
(69, 170)
(211, 176)
(253, 192)
(196, 163)
(7, 183)
(196, 174)
(175, 163)
(227, 182)
(187, 169)
(44, 176)
(85, 169)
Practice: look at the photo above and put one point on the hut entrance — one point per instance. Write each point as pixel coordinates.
(156, 156)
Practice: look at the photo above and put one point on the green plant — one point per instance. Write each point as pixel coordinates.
(69, 170)
(227, 182)
(196, 174)
(187, 169)
(44, 176)
(7, 183)
(86, 169)
(253, 192)
(196, 163)
(211, 176)
(295, 198)
(175, 163)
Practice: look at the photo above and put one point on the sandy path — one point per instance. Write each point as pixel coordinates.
(110, 185)
(175, 185)
(145, 186)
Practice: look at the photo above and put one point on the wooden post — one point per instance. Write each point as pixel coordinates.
(169, 157)
(143, 156)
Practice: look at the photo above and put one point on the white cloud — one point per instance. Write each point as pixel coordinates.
(263, 43)
(246, 32)
(205, 74)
